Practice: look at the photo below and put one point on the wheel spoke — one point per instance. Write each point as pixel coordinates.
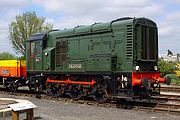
(76, 92)
(100, 94)
(48, 89)
(54, 89)
(12, 87)
(32, 85)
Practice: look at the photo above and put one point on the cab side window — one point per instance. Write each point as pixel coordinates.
(37, 49)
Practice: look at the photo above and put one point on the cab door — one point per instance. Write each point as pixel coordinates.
(36, 56)
(32, 47)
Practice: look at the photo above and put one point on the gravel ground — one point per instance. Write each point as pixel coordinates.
(58, 110)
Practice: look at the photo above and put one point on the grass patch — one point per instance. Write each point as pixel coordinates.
(176, 81)
(174, 78)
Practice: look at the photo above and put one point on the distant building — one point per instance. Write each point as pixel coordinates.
(171, 57)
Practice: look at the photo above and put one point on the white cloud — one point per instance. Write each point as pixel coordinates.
(70, 21)
(151, 10)
(165, 29)
(77, 12)
(86, 7)
(169, 32)
(170, 24)
(12, 3)
(8, 11)
(174, 16)
(175, 1)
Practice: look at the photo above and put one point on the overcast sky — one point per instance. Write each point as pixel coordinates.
(70, 13)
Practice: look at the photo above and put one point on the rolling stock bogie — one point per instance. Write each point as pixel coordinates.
(76, 92)
(55, 89)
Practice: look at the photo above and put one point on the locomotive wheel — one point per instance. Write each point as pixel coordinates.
(100, 94)
(12, 87)
(76, 92)
(48, 89)
(54, 89)
(32, 85)
(61, 90)
(146, 84)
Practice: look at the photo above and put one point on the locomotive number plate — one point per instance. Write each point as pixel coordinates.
(76, 66)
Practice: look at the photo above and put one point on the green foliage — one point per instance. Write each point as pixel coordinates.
(166, 67)
(7, 56)
(21, 58)
(176, 80)
(23, 26)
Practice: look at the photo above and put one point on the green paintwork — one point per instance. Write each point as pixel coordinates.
(49, 59)
(100, 47)
(27, 56)
(95, 47)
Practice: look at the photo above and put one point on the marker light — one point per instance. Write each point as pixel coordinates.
(137, 68)
(155, 68)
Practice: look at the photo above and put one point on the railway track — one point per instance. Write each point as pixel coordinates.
(171, 93)
(170, 89)
(158, 104)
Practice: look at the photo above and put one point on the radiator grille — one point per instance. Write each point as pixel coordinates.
(129, 42)
(61, 52)
(149, 46)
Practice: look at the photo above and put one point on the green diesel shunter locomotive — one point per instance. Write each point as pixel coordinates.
(117, 59)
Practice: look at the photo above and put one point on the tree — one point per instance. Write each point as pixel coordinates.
(166, 67)
(23, 26)
(7, 56)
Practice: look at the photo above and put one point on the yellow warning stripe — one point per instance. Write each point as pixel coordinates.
(12, 63)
